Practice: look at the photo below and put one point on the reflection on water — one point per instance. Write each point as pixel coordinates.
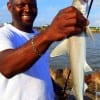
(92, 54)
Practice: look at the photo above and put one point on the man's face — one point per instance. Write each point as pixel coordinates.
(23, 11)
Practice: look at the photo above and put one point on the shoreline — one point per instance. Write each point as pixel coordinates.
(92, 80)
(96, 32)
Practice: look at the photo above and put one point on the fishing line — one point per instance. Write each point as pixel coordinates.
(64, 92)
(89, 8)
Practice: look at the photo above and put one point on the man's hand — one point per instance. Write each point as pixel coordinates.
(67, 22)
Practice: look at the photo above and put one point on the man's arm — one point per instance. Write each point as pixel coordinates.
(68, 21)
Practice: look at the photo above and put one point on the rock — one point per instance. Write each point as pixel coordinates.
(92, 79)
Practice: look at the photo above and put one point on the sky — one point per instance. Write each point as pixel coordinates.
(47, 10)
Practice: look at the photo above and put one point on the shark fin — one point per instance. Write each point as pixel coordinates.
(60, 49)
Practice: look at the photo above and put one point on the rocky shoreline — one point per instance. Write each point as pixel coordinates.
(92, 79)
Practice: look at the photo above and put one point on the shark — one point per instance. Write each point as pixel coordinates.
(63, 49)
(75, 47)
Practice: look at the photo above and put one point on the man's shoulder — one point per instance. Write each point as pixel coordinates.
(4, 30)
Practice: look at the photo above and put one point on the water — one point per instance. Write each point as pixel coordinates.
(92, 54)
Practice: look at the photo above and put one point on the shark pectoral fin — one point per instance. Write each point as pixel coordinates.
(60, 49)
(87, 68)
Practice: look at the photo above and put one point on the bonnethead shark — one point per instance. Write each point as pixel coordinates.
(75, 47)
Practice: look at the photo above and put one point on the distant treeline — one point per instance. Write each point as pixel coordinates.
(93, 29)
(42, 28)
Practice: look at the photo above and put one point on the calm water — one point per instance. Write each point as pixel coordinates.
(92, 54)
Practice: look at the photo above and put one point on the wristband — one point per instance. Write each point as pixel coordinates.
(35, 49)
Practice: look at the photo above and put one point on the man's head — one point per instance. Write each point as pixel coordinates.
(23, 12)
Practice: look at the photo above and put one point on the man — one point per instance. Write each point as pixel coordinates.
(24, 64)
